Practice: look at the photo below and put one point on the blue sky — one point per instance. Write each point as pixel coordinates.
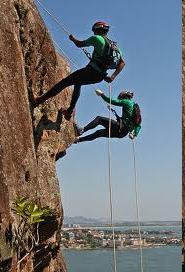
(149, 33)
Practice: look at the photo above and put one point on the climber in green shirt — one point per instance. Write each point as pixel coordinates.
(99, 44)
(124, 125)
(94, 72)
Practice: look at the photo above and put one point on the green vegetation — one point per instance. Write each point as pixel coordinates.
(25, 236)
(31, 212)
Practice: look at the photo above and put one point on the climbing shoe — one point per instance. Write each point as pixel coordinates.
(79, 130)
(36, 101)
(77, 140)
(67, 115)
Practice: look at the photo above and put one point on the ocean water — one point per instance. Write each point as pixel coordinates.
(160, 259)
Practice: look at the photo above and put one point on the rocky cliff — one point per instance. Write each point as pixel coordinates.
(31, 140)
(183, 126)
(183, 101)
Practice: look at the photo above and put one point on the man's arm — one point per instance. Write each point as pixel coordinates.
(115, 102)
(77, 42)
(119, 68)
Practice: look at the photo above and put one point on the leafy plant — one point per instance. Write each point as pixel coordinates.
(26, 234)
(31, 211)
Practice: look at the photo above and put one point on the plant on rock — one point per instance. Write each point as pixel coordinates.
(26, 234)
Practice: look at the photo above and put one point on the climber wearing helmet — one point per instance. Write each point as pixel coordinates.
(94, 72)
(128, 123)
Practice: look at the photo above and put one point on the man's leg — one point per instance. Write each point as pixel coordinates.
(95, 135)
(99, 120)
(74, 99)
(84, 76)
(56, 89)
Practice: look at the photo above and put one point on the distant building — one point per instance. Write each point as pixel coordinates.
(71, 236)
(137, 242)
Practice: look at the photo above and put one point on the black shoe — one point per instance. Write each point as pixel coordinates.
(67, 115)
(77, 140)
(36, 101)
(79, 130)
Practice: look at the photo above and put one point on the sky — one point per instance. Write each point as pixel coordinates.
(149, 34)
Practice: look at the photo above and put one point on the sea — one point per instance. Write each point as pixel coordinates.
(155, 259)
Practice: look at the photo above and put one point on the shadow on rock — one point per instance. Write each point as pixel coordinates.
(46, 124)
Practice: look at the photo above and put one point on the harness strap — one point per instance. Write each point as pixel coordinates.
(118, 119)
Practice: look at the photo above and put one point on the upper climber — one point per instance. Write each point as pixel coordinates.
(106, 55)
(129, 122)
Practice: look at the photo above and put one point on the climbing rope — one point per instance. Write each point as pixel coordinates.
(109, 159)
(64, 29)
(110, 183)
(65, 55)
(137, 205)
(61, 25)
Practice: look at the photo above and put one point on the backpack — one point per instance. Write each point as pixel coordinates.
(136, 115)
(111, 55)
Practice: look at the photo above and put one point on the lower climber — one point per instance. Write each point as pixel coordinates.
(130, 122)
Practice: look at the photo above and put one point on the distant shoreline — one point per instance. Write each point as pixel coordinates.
(119, 249)
(90, 223)
(119, 226)
(83, 221)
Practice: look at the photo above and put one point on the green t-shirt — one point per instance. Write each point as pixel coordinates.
(127, 112)
(98, 42)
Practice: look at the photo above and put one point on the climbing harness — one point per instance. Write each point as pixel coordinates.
(61, 26)
(110, 183)
(137, 204)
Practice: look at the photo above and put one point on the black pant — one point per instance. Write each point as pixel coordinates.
(99, 120)
(84, 76)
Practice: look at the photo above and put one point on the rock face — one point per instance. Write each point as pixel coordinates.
(183, 124)
(183, 100)
(31, 140)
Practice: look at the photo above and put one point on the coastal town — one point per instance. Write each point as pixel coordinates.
(76, 237)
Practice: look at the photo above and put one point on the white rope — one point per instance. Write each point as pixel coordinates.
(137, 206)
(60, 25)
(65, 55)
(110, 182)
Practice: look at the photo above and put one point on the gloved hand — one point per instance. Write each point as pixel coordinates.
(99, 92)
(132, 135)
(71, 37)
(109, 79)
